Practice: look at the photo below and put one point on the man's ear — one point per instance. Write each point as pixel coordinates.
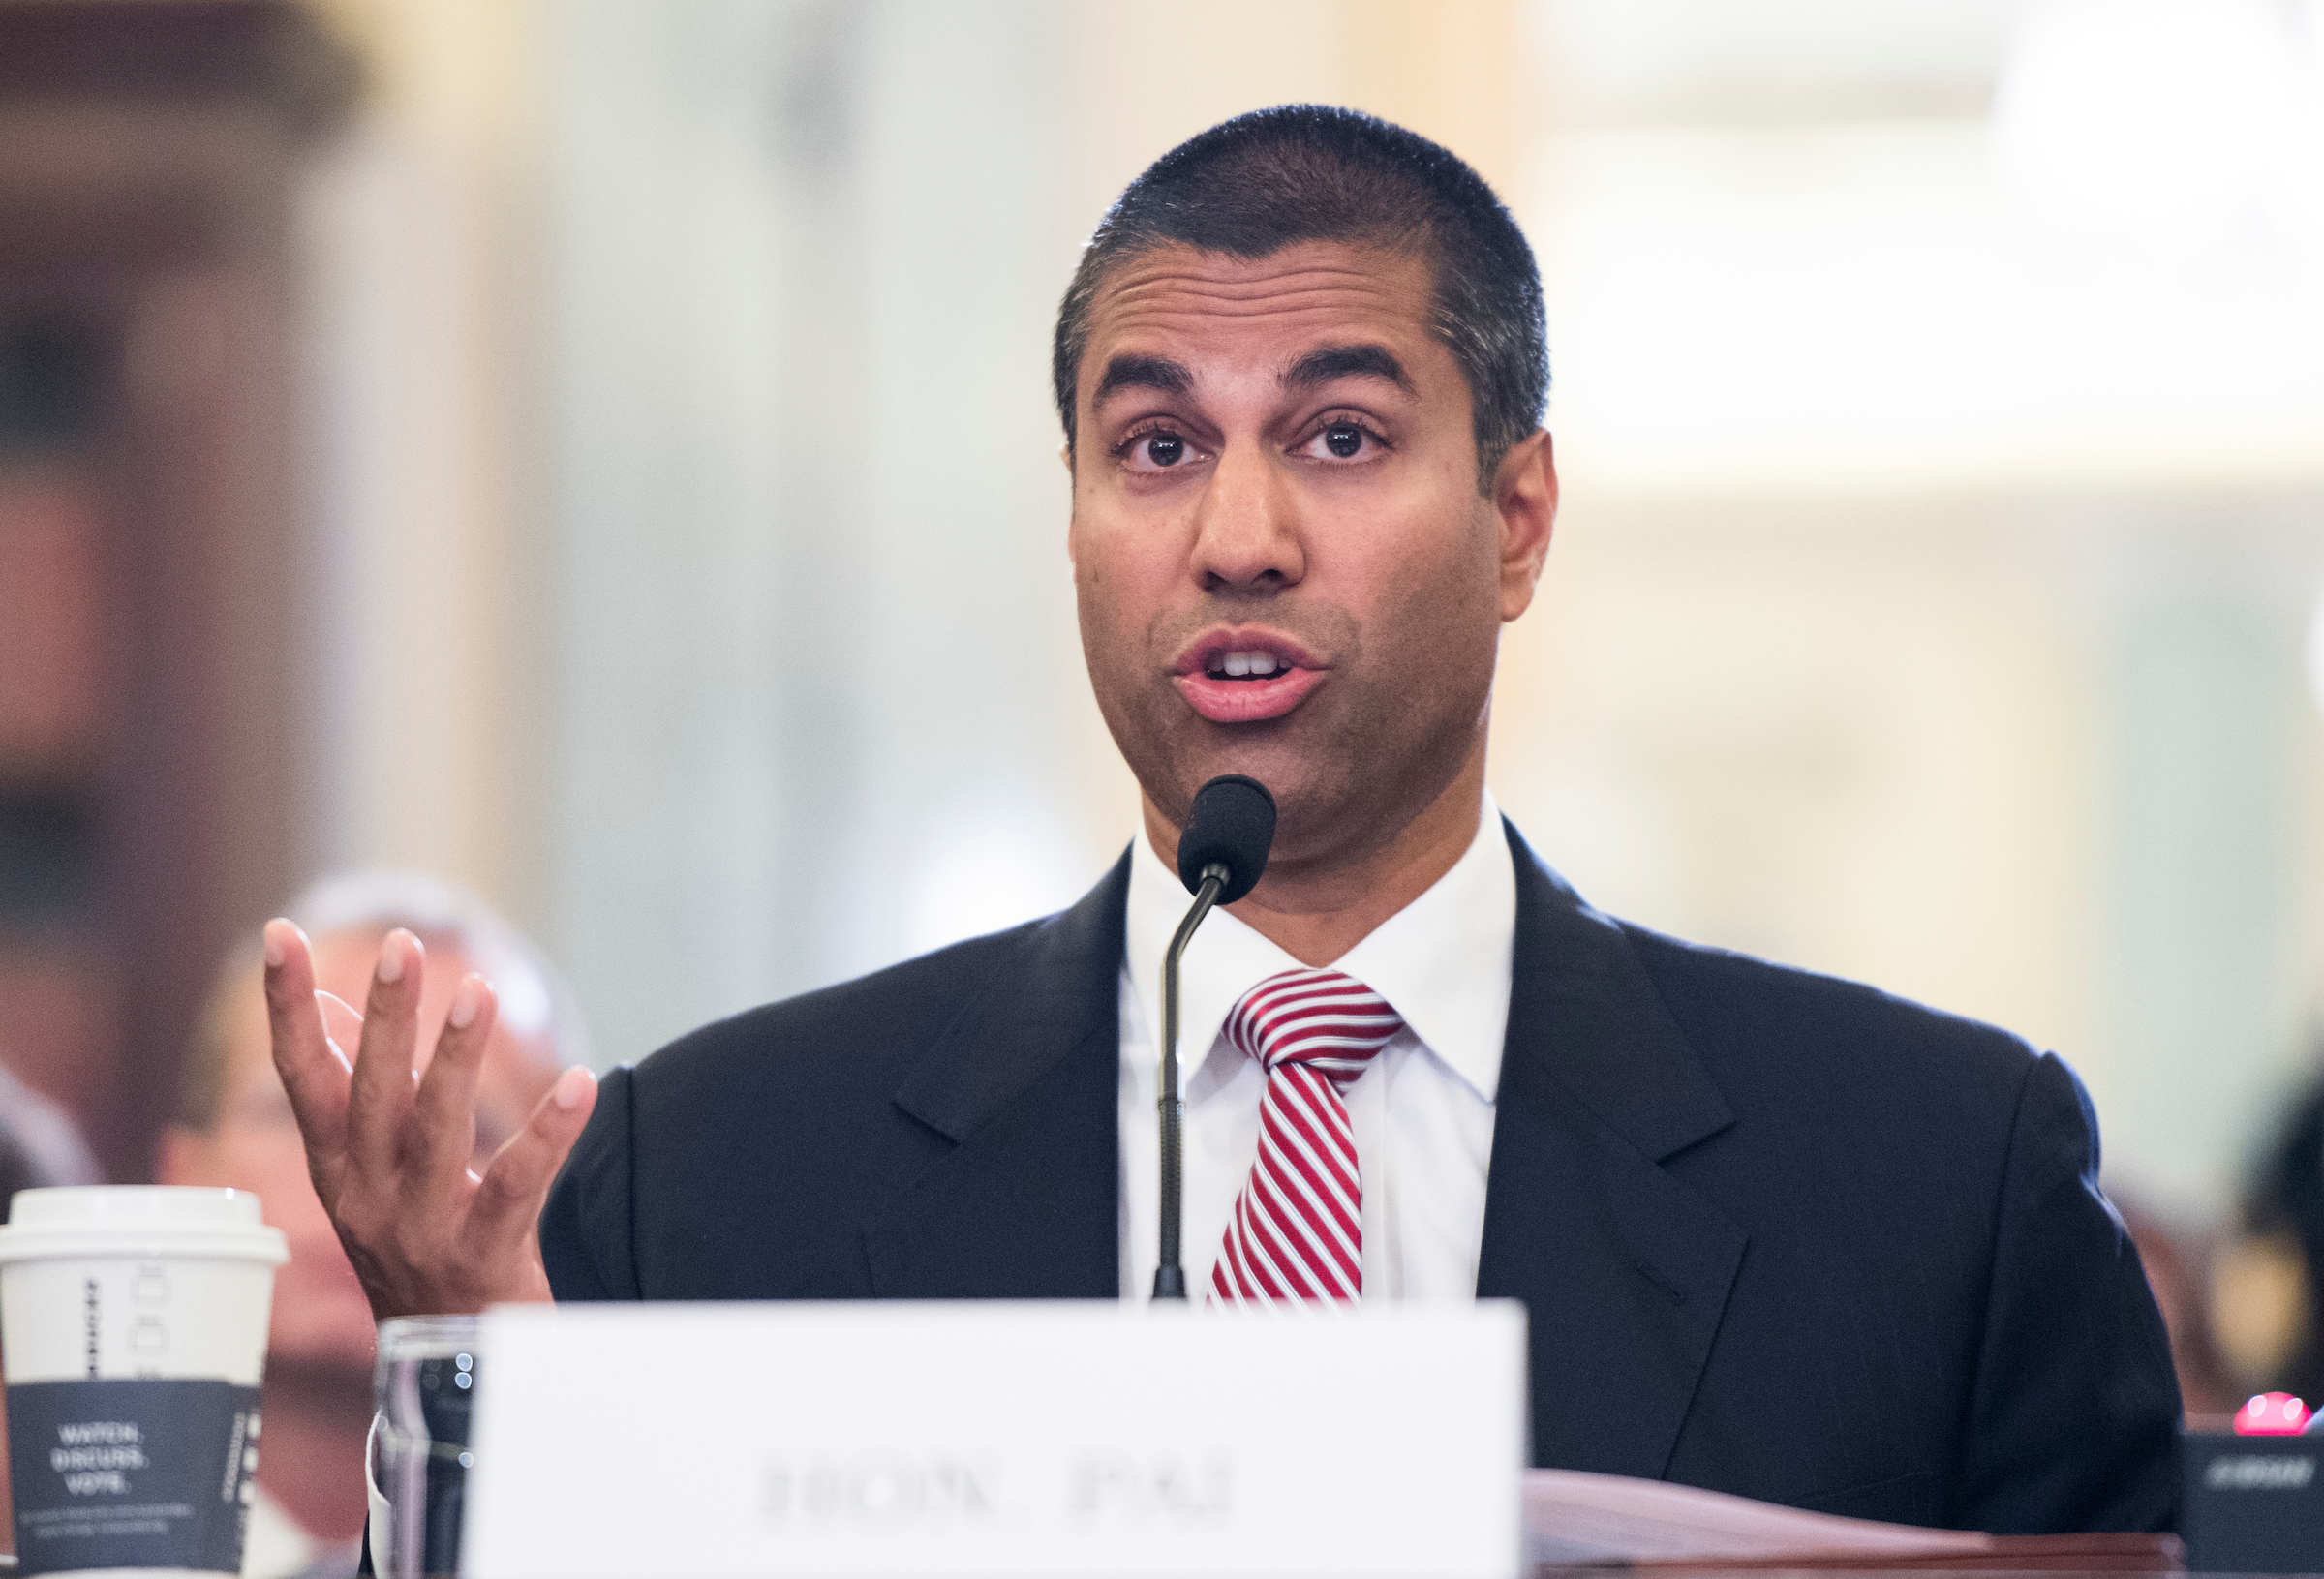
(1526, 506)
(1073, 510)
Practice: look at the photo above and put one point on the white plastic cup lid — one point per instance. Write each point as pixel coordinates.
(161, 1219)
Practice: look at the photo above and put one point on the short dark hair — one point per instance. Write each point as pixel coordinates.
(1261, 182)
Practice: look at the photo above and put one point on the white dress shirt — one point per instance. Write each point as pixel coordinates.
(1423, 1112)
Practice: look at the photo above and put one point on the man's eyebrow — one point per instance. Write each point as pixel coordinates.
(1325, 363)
(1158, 373)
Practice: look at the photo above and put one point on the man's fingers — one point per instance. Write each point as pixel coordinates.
(443, 1112)
(380, 1093)
(315, 1083)
(509, 1198)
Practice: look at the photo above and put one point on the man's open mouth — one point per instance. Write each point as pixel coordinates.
(1244, 677)
(1241, 665)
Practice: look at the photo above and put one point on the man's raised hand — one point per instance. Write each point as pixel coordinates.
(389, 1151)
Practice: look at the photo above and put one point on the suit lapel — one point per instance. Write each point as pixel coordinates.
(1024, 1083)
(1624, 1269)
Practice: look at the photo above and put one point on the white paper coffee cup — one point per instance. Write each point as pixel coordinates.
(133, 1322)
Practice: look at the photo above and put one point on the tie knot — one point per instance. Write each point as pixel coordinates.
(1318, 1018)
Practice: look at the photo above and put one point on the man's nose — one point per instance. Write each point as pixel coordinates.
(1248, 535)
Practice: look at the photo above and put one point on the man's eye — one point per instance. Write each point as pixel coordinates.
(1340, 440)
(1157, 449)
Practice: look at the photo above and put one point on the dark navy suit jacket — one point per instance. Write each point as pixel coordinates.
(1777, 1234)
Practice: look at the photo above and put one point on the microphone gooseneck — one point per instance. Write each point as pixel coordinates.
(1222, 853)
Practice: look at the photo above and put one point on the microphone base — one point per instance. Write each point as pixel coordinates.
(1169, 1283)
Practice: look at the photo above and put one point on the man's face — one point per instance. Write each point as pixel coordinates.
(1283, 564)
(320, 1312)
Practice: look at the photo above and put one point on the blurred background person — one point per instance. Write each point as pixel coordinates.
(2271, 1273)
(233, 1128)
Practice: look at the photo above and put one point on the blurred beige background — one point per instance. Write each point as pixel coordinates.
(1938, 391)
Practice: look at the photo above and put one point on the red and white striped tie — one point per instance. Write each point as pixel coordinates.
(1297, 1228)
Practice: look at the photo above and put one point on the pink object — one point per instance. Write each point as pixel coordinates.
(2272, 1415)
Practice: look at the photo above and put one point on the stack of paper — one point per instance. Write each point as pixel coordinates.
(1576, 1520)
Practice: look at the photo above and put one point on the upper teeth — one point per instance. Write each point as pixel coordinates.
(1248, 663)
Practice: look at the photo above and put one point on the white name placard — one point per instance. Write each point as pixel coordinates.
(1097, 1440)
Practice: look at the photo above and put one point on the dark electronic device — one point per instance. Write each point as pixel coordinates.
(1222, 851)
(2253, 1504)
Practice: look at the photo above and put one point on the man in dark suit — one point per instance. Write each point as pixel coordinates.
(1777, 1234)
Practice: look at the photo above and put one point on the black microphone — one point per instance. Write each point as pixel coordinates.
(1222, 852)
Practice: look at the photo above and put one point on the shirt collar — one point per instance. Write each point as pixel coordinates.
(1442, 961)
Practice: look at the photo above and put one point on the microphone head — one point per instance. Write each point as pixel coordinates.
(1232, 823)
